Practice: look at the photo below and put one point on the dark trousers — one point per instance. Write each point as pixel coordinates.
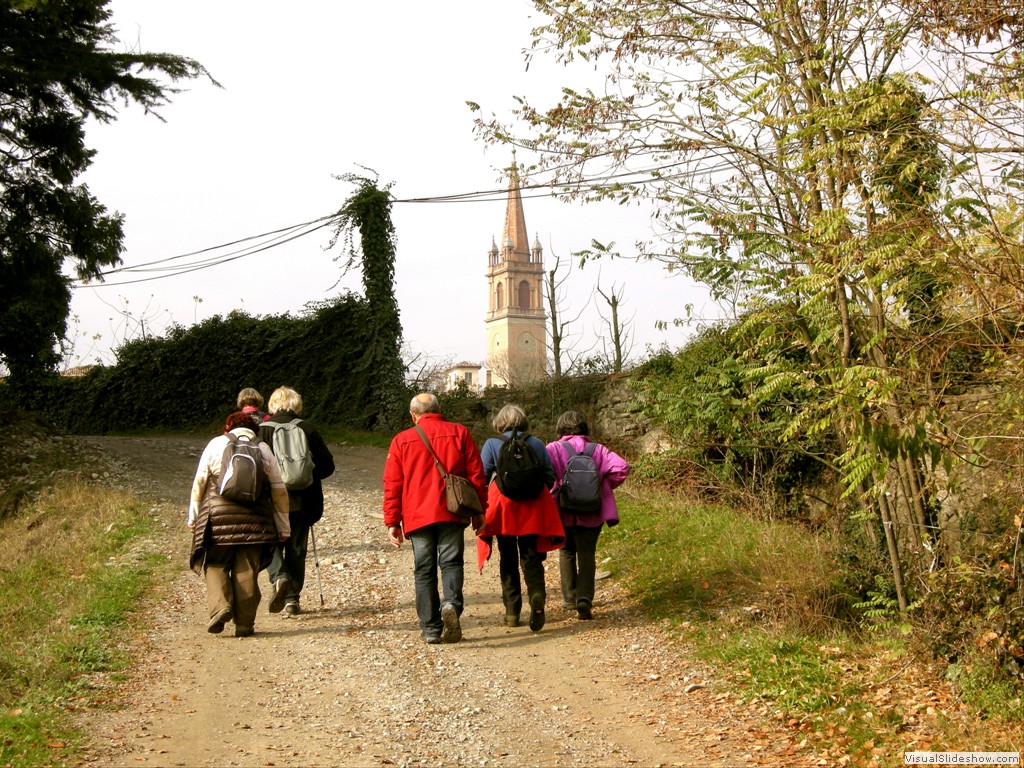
(577, 564)
(290, 560)
(513, 552)
(440, 546)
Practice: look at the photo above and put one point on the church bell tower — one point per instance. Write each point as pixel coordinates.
(516, 323)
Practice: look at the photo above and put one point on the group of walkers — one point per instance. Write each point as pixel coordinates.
(527, 521)
(235, 538)
(258, 491)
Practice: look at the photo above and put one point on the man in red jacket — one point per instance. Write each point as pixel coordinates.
(415, 509)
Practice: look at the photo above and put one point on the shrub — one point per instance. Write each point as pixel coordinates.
(191, 377)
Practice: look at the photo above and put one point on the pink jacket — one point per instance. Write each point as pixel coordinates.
(613, 468)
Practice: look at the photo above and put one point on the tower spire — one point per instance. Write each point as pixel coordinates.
(515, 241)
(516, 324)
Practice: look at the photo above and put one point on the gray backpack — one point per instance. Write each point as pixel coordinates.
(291, 449)
(581, 482)
(242, 477)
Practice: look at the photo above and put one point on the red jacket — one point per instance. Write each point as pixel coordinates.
(413, 486)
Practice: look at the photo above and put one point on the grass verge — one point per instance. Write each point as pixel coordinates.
(73, 570)
(761, 603)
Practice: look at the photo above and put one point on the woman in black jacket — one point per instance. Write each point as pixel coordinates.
(287, 570)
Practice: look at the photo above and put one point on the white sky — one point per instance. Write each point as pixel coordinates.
(314, 89)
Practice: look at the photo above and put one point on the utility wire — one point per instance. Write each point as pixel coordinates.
(185, 269)
(218, 247)
(153, 266)
(295, 231)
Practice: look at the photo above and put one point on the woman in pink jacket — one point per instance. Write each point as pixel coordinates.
(581, 519)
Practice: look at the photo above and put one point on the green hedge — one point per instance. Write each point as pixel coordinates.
(191, 377)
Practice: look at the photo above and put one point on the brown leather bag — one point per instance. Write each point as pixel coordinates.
(460, 496)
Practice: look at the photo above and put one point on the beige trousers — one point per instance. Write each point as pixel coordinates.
(231, 582)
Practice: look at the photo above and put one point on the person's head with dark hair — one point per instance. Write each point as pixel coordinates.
(236, 420)
(572, 423)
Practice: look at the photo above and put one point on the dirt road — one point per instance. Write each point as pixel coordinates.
(350, 683)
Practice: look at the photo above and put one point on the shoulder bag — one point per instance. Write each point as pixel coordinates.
(460, 496)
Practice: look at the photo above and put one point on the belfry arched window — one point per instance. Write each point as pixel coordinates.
(499, 296)
(524, 295)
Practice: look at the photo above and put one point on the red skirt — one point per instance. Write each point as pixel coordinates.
(512, 517)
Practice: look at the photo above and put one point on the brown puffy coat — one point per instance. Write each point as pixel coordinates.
(227, 523)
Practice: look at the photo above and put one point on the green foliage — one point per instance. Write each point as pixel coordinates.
(56, 72)
(881, 607)
(984, 628)
(768, 604)
(381, 369)
(787, 671)
(458, 399)
(191, 378)
(989, 689)
(33, 739)
(728, 399)
(972, 616)
(746, 592)
(676, 469)
(696, 560)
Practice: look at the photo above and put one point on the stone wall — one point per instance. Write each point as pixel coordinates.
(609, 403)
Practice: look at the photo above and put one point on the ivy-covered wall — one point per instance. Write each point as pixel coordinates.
(191, 377)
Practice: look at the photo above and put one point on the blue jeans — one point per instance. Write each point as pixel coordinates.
(290, 560)
(440, 545)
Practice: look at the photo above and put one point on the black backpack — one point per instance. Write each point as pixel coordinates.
(580, 490)
(519, 471)
(242, 475)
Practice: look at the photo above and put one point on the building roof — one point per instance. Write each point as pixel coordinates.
(457, 366)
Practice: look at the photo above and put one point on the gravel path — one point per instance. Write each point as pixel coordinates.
(351, 683)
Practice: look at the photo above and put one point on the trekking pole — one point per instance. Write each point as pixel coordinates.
(316, 562)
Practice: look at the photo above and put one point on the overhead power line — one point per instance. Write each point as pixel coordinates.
(212, 256)
(280, 233)
(165, 268)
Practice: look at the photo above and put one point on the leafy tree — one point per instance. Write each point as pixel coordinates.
(57, 69)
(835, 163)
